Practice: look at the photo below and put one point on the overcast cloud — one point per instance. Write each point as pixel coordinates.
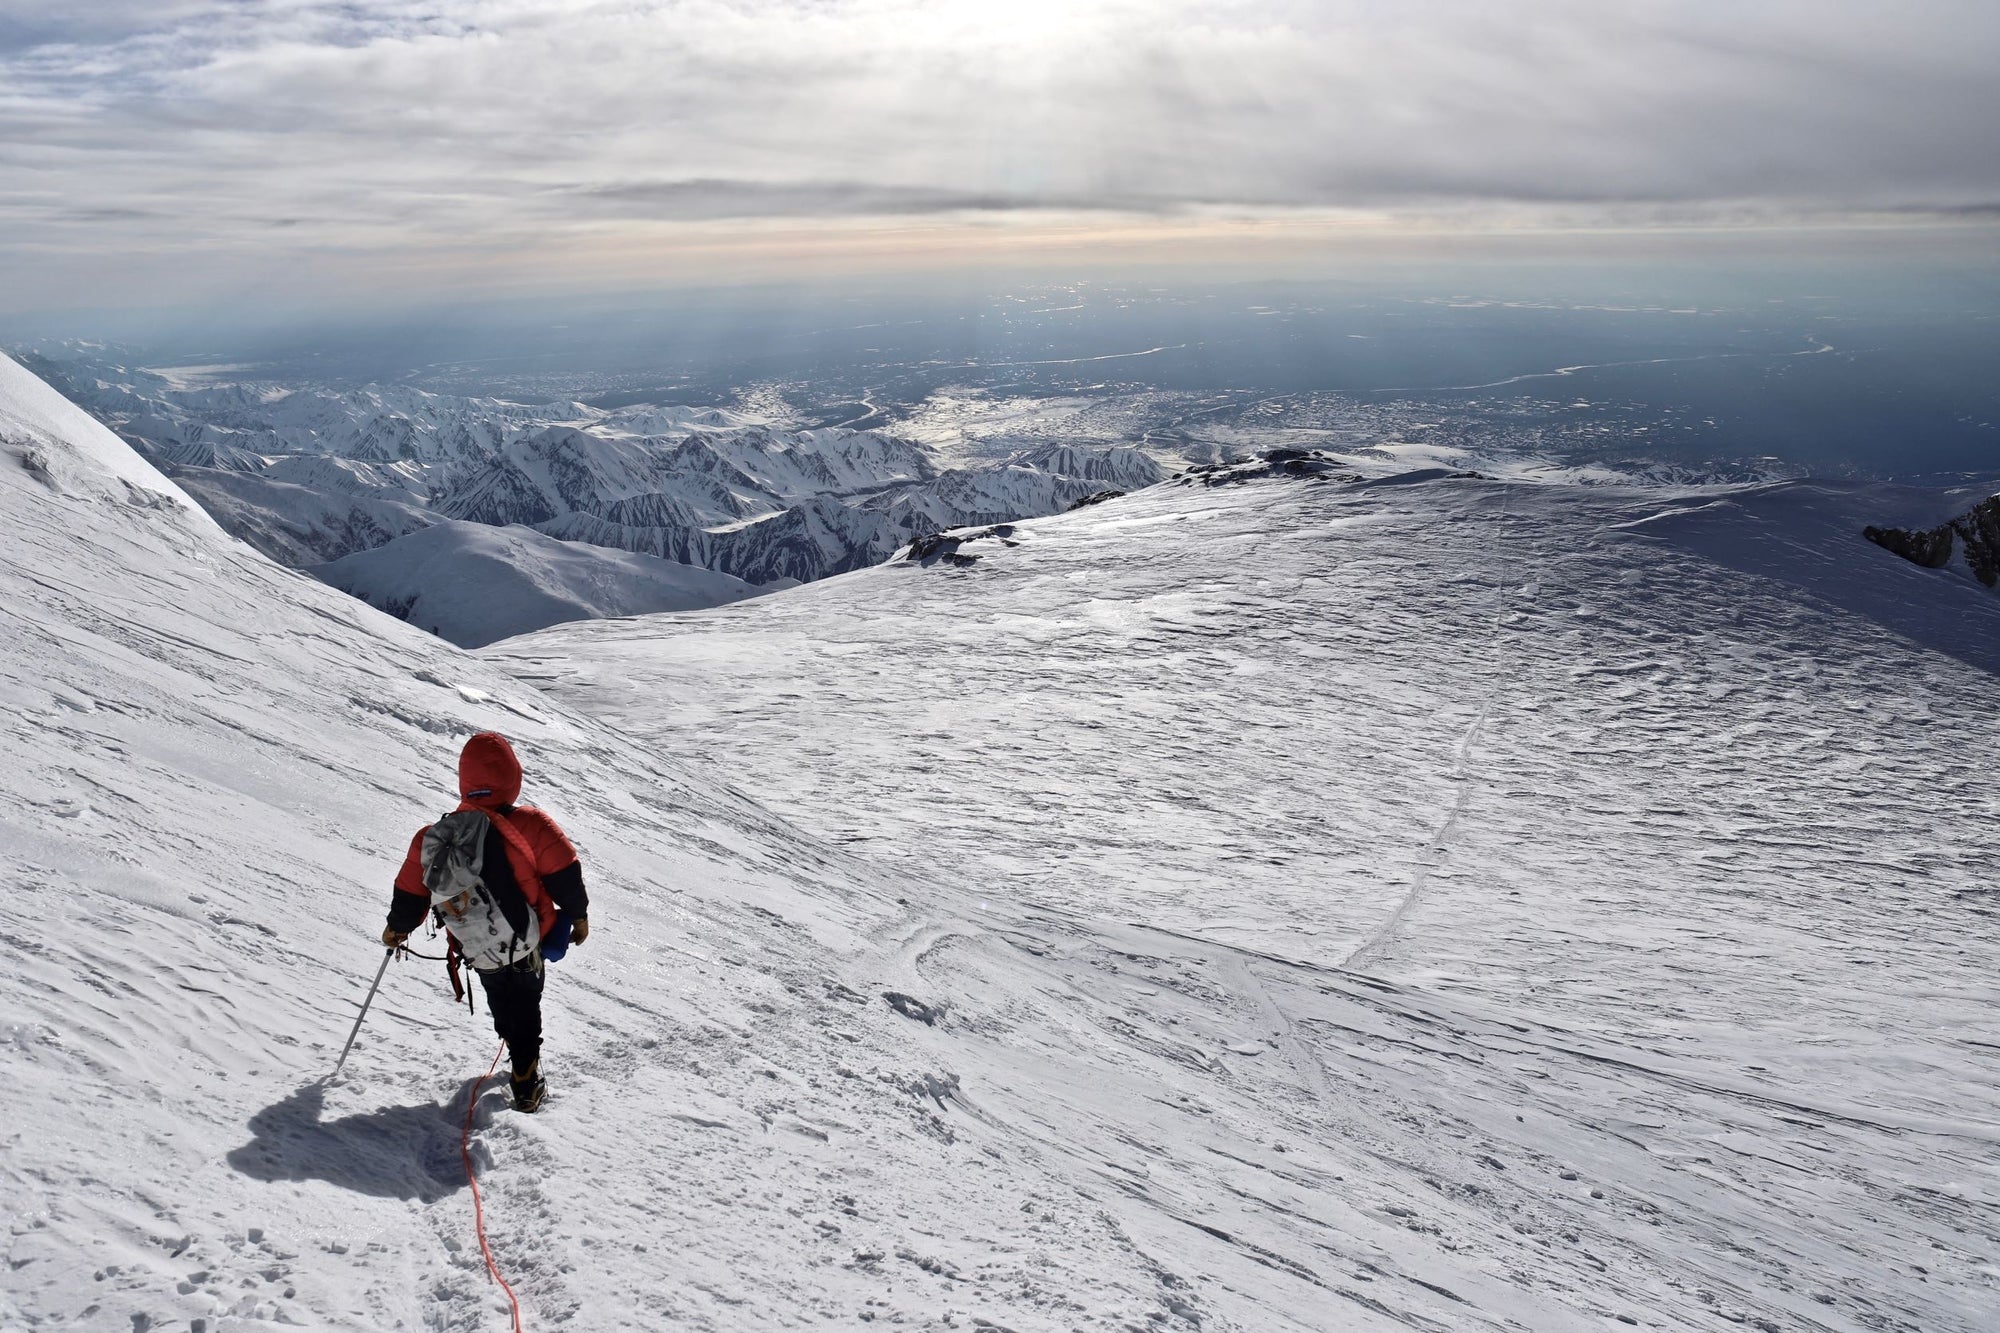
(172, 136)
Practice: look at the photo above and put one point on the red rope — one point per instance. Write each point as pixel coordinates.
(479, 1209)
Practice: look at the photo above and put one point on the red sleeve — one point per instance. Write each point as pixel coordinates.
(410, 879)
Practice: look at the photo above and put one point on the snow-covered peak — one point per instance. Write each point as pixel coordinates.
(1124, 468)
(655, 419)
(472, 583)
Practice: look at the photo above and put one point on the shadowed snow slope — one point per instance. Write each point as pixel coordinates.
(472, 584)
(1578, 899)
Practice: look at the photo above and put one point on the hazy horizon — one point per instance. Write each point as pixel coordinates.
(1793, 370)
(874, 199)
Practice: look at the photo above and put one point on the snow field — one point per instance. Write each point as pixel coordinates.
(1686, 791)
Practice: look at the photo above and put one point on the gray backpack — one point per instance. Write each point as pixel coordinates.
(454, 856)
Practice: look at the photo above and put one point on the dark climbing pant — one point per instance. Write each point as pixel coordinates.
(514, 996)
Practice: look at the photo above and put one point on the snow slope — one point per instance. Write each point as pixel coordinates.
(473, 584)
(61, 446)
(302, 524)
(1060, 1120)
(1598, 879)
(214, 763)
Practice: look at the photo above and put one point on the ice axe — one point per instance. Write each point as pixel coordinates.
(387, 954)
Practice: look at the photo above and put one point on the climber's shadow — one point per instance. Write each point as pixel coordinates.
(397, 1152)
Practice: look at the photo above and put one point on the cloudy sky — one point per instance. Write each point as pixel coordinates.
(154, 150)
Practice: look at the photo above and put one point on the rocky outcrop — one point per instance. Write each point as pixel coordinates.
(943, 547)
(1976, 533)
(1311, 464)
(1125, 468)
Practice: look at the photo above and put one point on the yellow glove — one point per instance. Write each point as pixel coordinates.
(393, 938)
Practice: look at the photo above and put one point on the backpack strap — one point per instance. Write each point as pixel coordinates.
(532, 889)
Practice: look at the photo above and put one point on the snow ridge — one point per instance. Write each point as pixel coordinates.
(472, 584)
(65, 448)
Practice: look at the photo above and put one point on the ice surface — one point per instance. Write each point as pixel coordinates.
(1689, 1026)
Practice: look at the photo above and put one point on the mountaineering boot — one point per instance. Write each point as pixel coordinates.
(529, 1087)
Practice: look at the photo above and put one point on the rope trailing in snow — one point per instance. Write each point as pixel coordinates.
(478, 1208)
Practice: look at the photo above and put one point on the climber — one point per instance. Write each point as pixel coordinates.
(504, 882)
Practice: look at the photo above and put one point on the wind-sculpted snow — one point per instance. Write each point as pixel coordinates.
(1586, 891)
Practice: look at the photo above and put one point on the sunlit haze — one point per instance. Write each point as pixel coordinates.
(182, 160)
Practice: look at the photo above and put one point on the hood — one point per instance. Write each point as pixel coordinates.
(489, 776)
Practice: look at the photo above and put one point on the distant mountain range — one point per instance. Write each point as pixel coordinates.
(313, 476)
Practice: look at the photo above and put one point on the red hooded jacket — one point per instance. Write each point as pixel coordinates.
(542, 862)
